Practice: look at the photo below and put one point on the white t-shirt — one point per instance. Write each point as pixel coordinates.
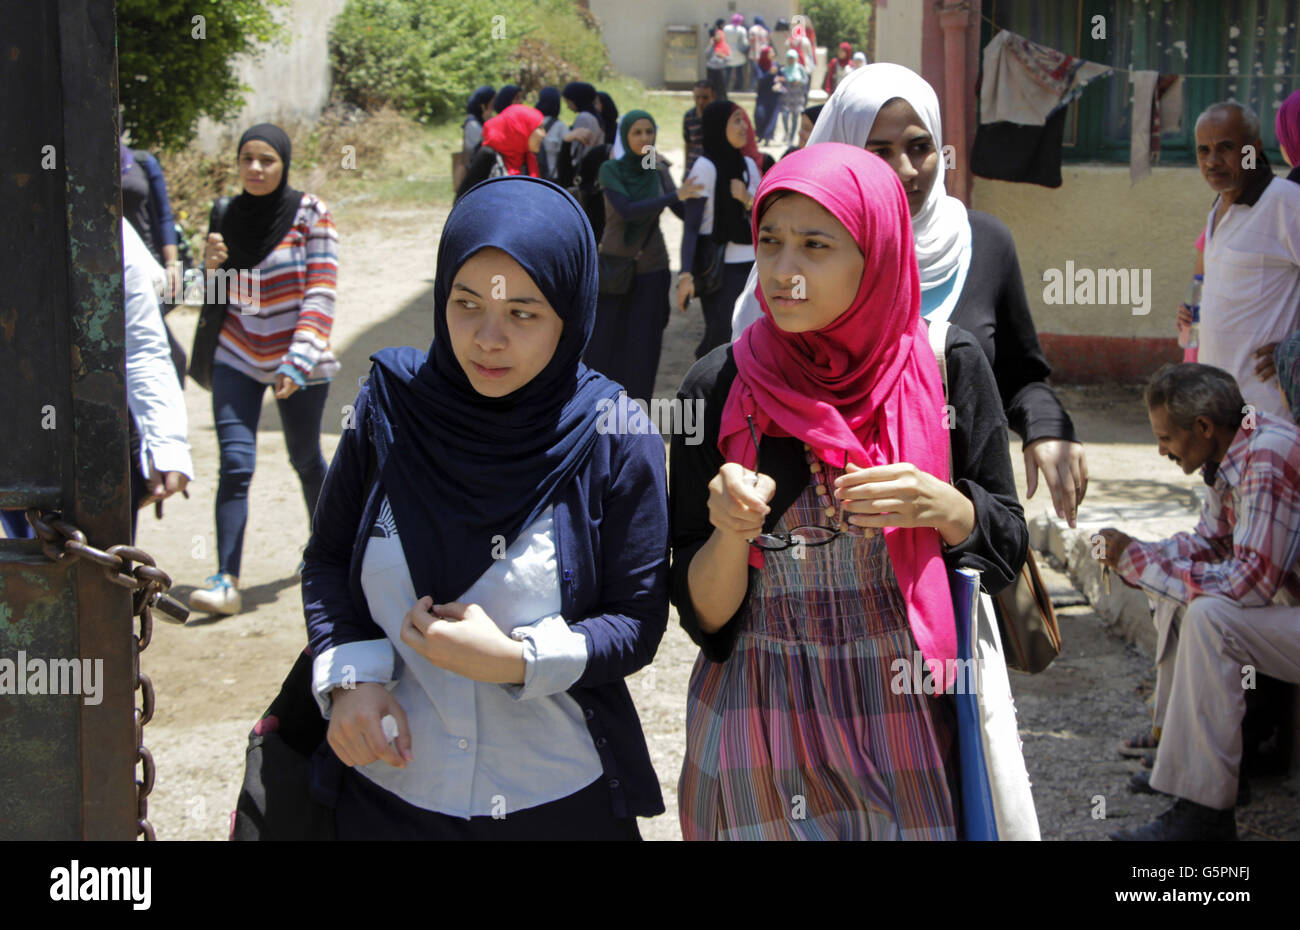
(705, 173)
(1252, 288)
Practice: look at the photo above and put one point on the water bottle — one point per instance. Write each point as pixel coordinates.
(1189, 338)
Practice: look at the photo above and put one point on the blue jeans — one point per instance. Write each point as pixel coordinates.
(236, 408)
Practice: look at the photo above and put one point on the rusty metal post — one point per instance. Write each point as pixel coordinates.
(66, 766)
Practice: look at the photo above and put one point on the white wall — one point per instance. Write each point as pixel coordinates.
(634, 30)
(290, 81)
(898, 32)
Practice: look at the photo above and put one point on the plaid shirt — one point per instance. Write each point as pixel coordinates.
(1246, 543)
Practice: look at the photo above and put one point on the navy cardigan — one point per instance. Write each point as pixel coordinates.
(611, 537)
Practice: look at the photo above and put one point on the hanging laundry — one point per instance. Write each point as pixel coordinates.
(1157, 108)
(1025, 82)
(1026, 154)
(1024, 91)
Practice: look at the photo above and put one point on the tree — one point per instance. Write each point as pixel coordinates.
(176, 62)
(839, 21)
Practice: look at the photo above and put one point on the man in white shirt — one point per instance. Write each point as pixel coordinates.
(152, 390)
(1251, 296)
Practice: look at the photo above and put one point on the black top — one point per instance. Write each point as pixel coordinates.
(993, 308)
(479, 169)
(996, 547)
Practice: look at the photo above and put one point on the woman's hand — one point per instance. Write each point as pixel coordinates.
(690, 188)
(685, 290)
(356, 734)
(903, 495)
(738, 505)
(582, 136)
(284, 386)
(461, 638)
(1064, 469)
(739, 190)
(216, 251)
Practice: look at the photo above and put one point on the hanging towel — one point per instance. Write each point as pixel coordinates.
(1157, 108)
(1025, 82)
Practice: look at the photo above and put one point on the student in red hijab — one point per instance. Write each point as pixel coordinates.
(511, 141)
(814, 526)
(841, 65)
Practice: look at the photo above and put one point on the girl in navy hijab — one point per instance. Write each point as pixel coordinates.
(504, 569)
(475, 117)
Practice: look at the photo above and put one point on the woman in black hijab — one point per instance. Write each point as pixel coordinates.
(279, 251)
(505, 97)
(719, 222)
(504, 567)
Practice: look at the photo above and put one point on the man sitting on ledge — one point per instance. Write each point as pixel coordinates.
(1237, 574)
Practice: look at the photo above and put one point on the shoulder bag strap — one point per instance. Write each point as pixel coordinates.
(938, 343)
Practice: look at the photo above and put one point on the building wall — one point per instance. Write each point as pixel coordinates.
(290, 81)
(1097, 219)
(634, 30)
(899, 31)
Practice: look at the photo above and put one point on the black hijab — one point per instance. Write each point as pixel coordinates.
(254, 225)
(608, 116)
(729, 221)
(583, 95)
(548, 101)
(460, 468)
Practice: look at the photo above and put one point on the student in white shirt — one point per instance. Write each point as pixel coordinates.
(719, 220)
(152, 390)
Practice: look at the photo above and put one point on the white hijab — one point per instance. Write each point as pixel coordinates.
(941, 228)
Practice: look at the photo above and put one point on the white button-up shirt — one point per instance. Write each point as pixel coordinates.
(1251, 294)
(480, 749)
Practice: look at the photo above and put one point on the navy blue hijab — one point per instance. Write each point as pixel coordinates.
(583, 96)
(460, 468)
(477, 100)
(548, 101)
(505, 96)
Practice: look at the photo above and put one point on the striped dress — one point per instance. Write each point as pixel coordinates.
(286, 319)
(798, 735)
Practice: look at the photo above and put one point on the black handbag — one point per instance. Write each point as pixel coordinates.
(706, 269)
(275, 801)
(211, 317)
(617, 274)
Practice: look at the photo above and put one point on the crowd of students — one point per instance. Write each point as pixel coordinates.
(488, 563)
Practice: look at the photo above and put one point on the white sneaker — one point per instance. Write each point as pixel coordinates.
(220, 596)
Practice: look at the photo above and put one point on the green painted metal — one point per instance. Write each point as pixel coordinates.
(66, 764)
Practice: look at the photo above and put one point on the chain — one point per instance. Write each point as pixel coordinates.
(62, 542)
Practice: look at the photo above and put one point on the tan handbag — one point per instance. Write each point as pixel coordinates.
(1031, 637)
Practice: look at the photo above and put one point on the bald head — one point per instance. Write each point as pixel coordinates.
(1228, 147)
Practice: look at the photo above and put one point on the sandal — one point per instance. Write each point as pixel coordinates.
(1139, 744)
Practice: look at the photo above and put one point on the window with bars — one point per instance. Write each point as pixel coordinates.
(1250, 49)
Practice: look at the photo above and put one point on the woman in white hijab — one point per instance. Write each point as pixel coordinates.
(970, 274)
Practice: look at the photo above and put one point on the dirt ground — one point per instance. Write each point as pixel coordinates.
(214, 677)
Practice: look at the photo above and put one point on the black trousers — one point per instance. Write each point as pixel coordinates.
(629, 334)
(719, 305)
(365, 811)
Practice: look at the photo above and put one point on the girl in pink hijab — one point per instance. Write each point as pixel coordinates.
(815, 521)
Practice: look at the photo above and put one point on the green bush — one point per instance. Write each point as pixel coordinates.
(425, 57)
(839, 21)
(176, 62)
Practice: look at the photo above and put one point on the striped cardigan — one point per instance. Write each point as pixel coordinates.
(284, 326)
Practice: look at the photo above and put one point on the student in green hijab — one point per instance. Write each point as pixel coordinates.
(633, 308)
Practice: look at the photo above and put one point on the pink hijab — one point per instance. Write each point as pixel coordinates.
(1288, 126)
(867, 382)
